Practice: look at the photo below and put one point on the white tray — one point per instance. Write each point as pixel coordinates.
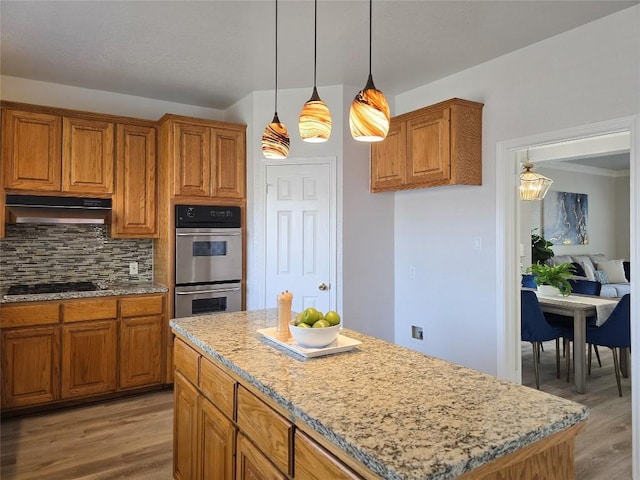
(340, 344)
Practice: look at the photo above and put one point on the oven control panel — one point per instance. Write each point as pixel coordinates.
(192, 216)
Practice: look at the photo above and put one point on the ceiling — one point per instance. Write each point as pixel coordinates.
(213, 53)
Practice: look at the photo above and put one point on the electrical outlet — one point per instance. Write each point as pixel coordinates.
(133, 268)
(416, 332)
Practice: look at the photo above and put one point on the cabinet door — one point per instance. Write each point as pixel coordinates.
(192, 157)
(30, 366)
(135, 197)
(228, 165)
(388, 159)
(140, 351)
(87, 156)
(312, 462)
(217, 441)
(251, 464)
(185, 429)
(89, 358)
(428, 148)
(31, 150)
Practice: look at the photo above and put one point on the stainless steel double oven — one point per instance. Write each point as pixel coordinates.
(208, 260)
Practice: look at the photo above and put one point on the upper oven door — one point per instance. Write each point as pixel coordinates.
(208, 255)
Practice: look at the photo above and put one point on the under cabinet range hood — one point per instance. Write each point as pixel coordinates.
(44, 209)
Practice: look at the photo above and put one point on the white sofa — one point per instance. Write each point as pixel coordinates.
(612, 274)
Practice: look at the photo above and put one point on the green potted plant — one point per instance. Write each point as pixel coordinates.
(556, 276)
(540, 248)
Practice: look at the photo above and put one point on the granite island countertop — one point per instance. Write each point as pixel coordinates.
(402, 414)
(106, 290)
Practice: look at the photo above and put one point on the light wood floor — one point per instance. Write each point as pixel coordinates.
(131, 438)
(123, 439)
(603, 451)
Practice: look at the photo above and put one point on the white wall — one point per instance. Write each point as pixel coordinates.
(64, 96)
(583, 76)
(622, 218)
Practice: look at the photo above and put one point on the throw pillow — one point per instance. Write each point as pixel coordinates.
(627, 270)
(601, 276)
(598, 258)
(578, 270)
(584, 260)
(588, 271)
(558, 259)
(614, 271)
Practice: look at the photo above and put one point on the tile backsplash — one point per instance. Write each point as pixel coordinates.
(57, 253)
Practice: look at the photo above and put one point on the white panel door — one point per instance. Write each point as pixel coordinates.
(298, 235)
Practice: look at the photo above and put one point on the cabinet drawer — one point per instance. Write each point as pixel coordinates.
(91, 309)
(268, 430)
(29, 315)
(186, 360)
(136, 306)
(312, 462)
(218, 387)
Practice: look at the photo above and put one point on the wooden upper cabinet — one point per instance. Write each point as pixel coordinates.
(135, 213)
(228, 165)
(208, 157)
(31, 150)
(192, 160)
(432, 146)
(87, 156)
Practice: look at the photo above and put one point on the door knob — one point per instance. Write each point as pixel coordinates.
(323, 286)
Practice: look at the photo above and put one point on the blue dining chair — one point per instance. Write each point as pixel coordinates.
(536, 329)
(615, 333)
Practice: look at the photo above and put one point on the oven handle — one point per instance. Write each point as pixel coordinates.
(194, 292)
(208, 234)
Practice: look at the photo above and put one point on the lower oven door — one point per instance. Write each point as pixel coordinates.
(205, 299)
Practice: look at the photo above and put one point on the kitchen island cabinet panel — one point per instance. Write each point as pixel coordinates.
(217, 443)
(218, 387)
(31, 150)
(30, 366)
(266, 428)
(135, 198)
(251, 464)
(185, 427)
(89, 355)
(87, 156)
(312, 462)
(140, 351)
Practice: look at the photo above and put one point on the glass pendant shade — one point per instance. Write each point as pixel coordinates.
(369, 115)
(533, 186)
(275, 140)
(315, 120)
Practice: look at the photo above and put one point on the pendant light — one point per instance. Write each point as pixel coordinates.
(533, 186)
(275, 139)
(369, 116)
(315, 119)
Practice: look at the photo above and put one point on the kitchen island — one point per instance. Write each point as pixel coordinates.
(376, 411)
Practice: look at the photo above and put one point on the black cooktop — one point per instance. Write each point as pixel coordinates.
(59, 287)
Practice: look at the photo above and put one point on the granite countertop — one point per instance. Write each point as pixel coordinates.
(106, 290)
(403, 414)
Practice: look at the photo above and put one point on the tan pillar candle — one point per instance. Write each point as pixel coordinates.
(284, 315)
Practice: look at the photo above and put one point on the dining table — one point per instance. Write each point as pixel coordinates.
(580, 307)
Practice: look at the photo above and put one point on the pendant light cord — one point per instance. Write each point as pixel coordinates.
(370, 37)
(276, 96)
(315, 40)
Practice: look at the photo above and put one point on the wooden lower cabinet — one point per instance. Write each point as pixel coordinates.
(217, 437)
(140, 351)
(251, 464)
(312, 462)
(89, 355)
(185, 429)
(30, 366)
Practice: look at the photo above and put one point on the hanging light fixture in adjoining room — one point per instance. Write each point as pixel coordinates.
(315, 119)
(275, 139)
(533, 186)
(369, 116)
